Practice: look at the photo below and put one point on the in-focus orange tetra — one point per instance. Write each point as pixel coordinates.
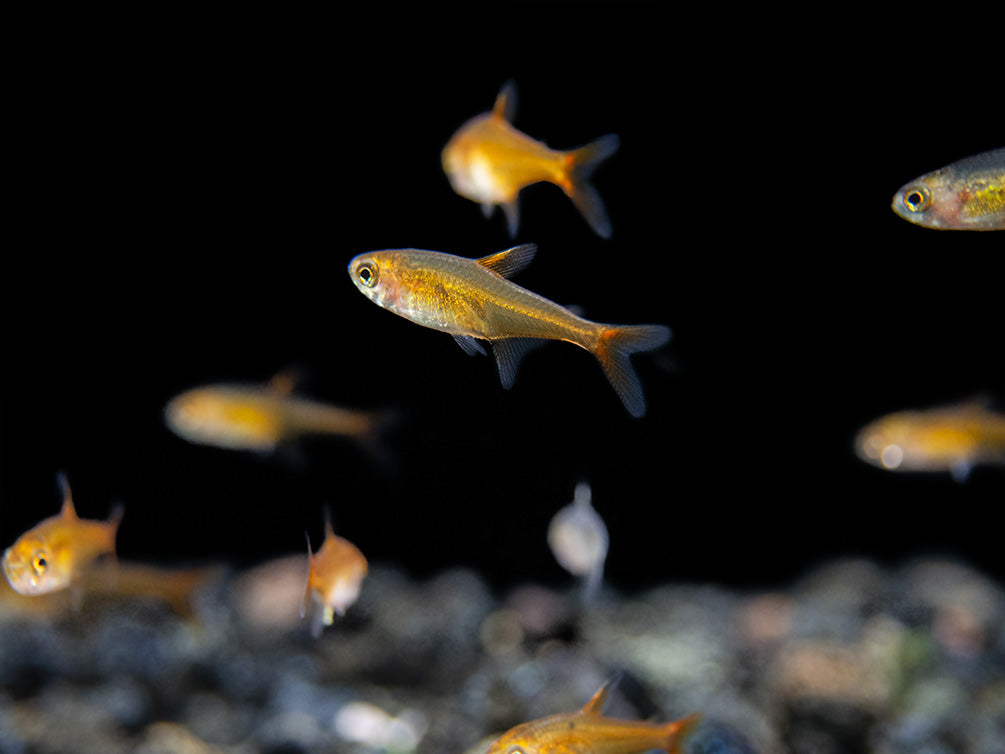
(489, 162)
(56, 553)
(586, 731)
(473, 300)
(334, 578)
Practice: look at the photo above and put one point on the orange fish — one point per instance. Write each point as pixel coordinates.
(334, 578)
(263, 417)
(472, 300)
(947, 438)
(489, 162)
(55, 554)
(586, 731)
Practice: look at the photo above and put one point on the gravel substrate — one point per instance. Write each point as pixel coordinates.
(853, 658)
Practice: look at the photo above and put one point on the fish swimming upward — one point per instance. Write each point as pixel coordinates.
(263, 417)
(55, 554)
(489, 162)
(966, 195)
(472, 300)
(334, 578)
(948, 438)
(588, 732)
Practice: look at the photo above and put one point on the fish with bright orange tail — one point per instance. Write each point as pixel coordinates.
(56, 553)
(967, 195)
(472, 300)
(334, 578)
(489, 162)
(587, 731)
(947, 438)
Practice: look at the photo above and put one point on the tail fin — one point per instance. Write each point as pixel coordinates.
(678, 731)
(581, 164)
(615, 345)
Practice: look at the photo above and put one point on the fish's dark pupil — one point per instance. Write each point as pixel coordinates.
(40, 563)
(365, 275)
(914, 199)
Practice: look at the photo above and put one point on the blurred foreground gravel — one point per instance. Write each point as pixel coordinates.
(853, 658)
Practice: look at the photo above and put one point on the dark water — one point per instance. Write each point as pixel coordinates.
(185, 216)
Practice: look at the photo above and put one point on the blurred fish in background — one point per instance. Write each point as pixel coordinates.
(489, 162)
(263, 418)
(966, 195)
(578, 539)
(334, 578)
(950, 439)
(587, 731)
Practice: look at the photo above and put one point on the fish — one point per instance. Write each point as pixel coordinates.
(473, 300)
(966, 195)
(489, 161)
(334, 578)
(55, 554)
(578, 539)
(261, 418)
(586, 731)
(175, 588)
(952, 439)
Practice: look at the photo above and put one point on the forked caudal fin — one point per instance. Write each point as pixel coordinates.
(582, 163)
(614, 347)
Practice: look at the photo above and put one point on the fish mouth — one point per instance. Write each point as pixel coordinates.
(19, 576)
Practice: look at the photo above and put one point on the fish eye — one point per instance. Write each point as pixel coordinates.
(917, 199)
(367, 274)
(39, 563)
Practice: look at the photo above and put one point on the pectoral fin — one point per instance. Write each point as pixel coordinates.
(470, 345)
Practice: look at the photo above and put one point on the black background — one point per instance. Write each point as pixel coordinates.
(187, 194)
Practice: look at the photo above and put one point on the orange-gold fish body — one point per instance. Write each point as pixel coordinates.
(472, 300)
(55, 554)
(966, 195)
(489, 162)
(261, 417)
(334, 578)
(588, 732)
(950, 438)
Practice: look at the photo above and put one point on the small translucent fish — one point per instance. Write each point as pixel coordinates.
(949, 438)
(472, 300)
(586, 731)
(176, 587)
(263, 417)
(489, 162)
(334, 578)
(578, 539)
(56, 553)
(966, 195)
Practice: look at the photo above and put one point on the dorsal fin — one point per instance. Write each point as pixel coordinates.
(67, 511)
(510, 261)
(329, 530)
(505, 104)
(595, 706)
(283, 382)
